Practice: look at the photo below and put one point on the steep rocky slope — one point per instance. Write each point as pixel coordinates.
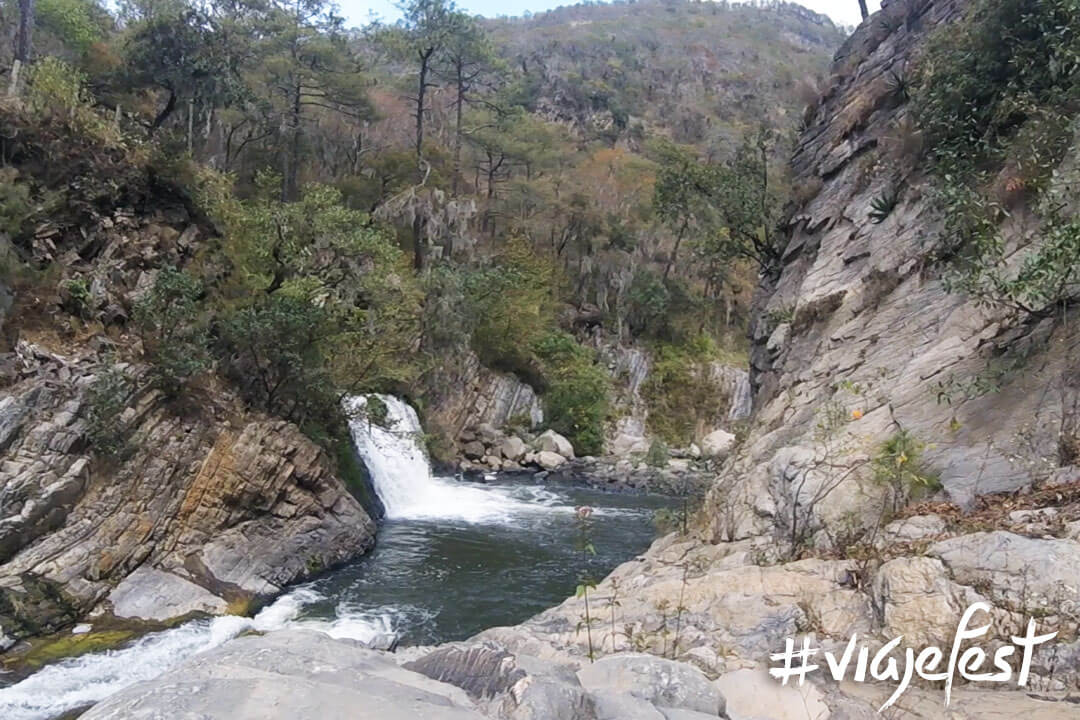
(860, 320)
(205, 506)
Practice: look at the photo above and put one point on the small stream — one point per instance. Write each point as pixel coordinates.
(453, 558)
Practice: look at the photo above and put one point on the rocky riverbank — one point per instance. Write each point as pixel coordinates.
(204, 509)
(681, 471)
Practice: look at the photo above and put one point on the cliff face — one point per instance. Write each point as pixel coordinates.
(859, 323)
(202, 507)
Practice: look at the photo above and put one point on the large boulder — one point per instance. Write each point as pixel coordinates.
(149, 594)
(663, 683)
(474, 449)
(625, 444)
(289, 674)
(717, 444)
(553, 442)
(549, 460)
(513, 448)
(487, 432)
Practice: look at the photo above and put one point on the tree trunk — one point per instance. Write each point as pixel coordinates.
(24, 41)
(675, 252)
(292, 153)
(455, 184)
(863, 10)
(166, 111)
(421, 91)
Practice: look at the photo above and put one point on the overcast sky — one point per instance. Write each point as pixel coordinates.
(843, 12)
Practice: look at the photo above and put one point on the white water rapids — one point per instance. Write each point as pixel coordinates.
(81, 681)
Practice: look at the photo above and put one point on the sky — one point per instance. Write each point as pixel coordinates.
(358, 12)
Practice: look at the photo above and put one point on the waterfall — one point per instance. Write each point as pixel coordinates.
(402, 475)
(741, 397)
(398, 465)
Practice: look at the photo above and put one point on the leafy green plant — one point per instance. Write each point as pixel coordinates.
(681, 390)
(106, 400)
(77, 22)
(778, 316)
(174, 333)
(577, 392)
(883, 205)
(658, 454)
(76, 294)
(898, 465)
(15, 203)
(57, 92)
(898, 86)
(996, 96)
(275, 350)
(376, 411)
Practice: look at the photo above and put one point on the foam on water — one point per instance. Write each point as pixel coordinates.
(82, 681)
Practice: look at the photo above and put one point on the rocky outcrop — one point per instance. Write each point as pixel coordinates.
(290, 674)
(300, 674)
(859, 332)
(203, 506)
(474, 395)
(630, 366)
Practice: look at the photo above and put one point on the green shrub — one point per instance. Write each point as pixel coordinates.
(658, 454)
(15, 203)
(274, 350)
(76, 22)
(984, 76)
(662, 309)
(511, 309)
(174, 334)
(648, 303)
(577, 394)
(107, 398)
(57, 93)
(76, 294)
(376, 411)
(898, 465)
(996, 97)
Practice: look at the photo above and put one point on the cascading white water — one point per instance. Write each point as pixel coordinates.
(391, 451)
(78, 682)
(742, 398)
(401, 473)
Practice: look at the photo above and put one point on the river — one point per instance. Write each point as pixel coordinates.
(453, 557)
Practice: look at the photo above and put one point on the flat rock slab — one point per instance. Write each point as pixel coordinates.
(752, 694)
(664, 683)
(288, 674)
(150, 594)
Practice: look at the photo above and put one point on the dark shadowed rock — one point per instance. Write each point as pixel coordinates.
(481, 671)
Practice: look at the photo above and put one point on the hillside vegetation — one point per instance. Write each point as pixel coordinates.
(386, 198)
